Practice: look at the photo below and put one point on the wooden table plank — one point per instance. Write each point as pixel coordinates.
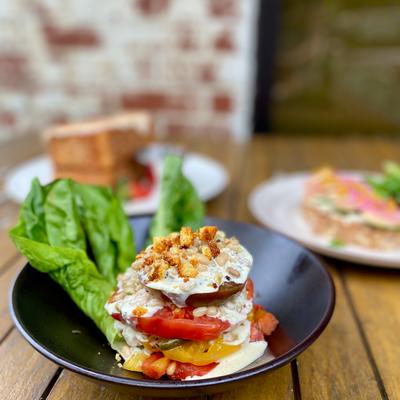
(24, 373)
(336, 366)
(6, 278)
(375, 295)
(8, 216)
(73, 386)
(276, 385)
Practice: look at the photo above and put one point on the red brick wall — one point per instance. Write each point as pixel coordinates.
(191, 62)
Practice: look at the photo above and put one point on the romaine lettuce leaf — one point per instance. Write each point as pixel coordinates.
(60, 227)
(180, 204)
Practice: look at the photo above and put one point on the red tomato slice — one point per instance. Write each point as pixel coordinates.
(203, 328)
(183, 370)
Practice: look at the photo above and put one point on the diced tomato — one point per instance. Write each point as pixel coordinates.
(184, 370)
(256, 334)
(117, 316)
(250, 288)
(265, 320)
(202, 328)
(267, 323)
(155, 366)
(143, 187)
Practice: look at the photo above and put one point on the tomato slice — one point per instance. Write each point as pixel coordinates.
(184, 370)
(201, 353)
(202, 328)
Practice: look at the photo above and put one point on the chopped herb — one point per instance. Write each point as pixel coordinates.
(337, 243)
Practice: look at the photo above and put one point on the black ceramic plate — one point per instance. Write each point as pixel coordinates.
(289, 281)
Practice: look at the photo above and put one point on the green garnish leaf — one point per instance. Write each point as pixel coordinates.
(337, 243)
(180, 204)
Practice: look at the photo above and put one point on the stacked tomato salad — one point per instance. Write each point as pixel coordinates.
(185, 307)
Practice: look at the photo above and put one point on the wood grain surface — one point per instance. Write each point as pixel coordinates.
(357, 357)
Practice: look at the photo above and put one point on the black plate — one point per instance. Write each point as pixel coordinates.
(289, 281)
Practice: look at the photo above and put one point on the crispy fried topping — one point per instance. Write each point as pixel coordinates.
(187, 252)
(186, 236)
(187, 270)
(207, 252)
(194, 262)
(161, 244)
(214, 249)
(159, 270)
(172, 259)
(140, 255)
(139, 311)
(207, 233)
(148, 260)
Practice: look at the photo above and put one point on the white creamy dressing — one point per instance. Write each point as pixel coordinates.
(174, 286)
(248, 353)
(235, 310)
(133, 295)
(142, 298)
(238, 335)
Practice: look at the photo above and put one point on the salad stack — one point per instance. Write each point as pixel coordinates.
(185, 307)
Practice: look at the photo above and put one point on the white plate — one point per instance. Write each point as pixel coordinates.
(276, 204)
(208, 177)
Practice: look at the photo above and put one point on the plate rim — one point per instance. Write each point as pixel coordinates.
(322, 249)
(192, 384)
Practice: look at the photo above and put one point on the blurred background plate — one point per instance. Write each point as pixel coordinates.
(276, 204)
(207, 175)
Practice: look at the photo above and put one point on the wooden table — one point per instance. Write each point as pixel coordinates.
(358, 355)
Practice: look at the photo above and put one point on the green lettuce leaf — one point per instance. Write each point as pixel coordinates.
(180, 204)
(107, 229)
(60, 227)
(32, 213)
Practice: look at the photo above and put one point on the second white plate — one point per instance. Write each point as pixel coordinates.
(208, 177)
(276, 204)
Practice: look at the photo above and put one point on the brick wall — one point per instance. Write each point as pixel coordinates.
(189, 61)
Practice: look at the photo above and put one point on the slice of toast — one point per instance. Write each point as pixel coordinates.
(99, 151)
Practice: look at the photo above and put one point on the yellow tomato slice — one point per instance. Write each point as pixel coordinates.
(201, 353)
(134, 362)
